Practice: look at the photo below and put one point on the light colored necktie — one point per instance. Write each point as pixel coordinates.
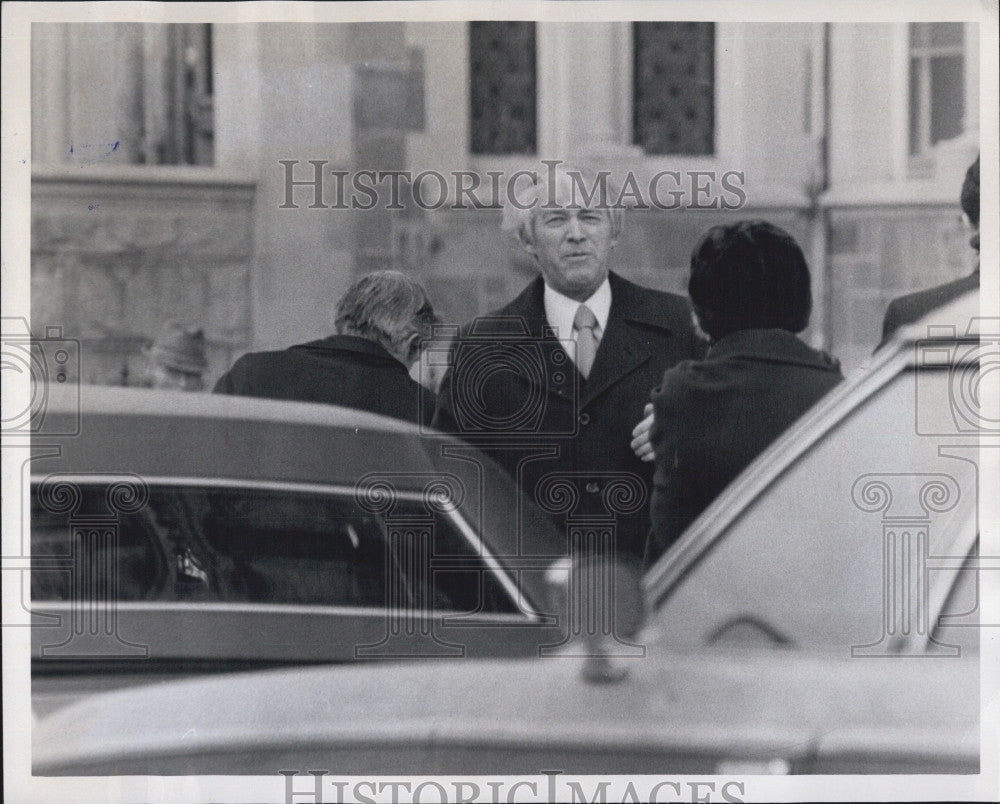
(585, 325)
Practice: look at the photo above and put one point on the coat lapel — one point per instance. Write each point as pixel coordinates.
(624, 346)
(529, 308)
(620, 353)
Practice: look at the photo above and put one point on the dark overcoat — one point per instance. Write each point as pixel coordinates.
(513, 390)
(713, 417)
(339, 370)
(914, 306)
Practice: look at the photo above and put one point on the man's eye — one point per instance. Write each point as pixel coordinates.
(553, 220)
(591, 217)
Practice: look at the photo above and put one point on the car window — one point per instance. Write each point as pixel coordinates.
(124, 552)
(821, 557)
(266, 545)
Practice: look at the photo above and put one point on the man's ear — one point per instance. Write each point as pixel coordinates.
(412, 348)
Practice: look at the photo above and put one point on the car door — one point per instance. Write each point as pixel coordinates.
(843, 533)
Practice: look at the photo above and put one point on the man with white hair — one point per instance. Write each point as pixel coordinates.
(552, 385)
(380, 323)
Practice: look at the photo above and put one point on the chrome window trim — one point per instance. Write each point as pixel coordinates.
(477, 545)
(58, 607)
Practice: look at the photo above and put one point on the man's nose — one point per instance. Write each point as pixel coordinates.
(573, 229)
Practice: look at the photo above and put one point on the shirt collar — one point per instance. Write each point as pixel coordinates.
(561, 310)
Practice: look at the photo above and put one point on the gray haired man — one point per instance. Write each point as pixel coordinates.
(552, 385)
(380, 323)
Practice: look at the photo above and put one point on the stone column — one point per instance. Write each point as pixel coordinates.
(103, 77)
(284, 92)
(49, 93)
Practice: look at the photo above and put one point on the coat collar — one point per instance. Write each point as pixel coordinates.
(623, 347)
(772, 345)
(629, 301)
(355, 345)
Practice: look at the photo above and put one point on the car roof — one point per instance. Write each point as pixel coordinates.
(198, 439)
(157, 434)
(957, 319)
(168, 403)
(670, 703)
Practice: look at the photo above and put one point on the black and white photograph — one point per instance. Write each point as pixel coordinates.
(534, 401)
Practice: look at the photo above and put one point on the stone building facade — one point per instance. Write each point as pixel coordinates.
(829, 126)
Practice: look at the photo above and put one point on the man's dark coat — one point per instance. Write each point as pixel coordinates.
(339, 370)
(712, 418)
(910, 308)
(513, 390)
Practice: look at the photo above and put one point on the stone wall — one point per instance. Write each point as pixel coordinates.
(115, 254)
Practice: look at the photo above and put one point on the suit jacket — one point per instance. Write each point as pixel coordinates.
(914, 306)
(513, 390)
(339, 370)
(712, 418)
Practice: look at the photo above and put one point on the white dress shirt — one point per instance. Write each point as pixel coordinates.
(561, 310)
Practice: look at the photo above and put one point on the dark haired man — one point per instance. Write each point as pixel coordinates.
(910, 308)
(380, 323)
(750, 288)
